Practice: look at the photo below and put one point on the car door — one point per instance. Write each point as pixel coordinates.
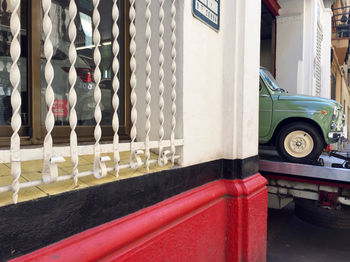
(265, 110)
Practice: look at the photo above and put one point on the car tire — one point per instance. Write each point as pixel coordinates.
(309, 211)
(300, 142)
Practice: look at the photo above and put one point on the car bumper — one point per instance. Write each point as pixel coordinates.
(335, 136)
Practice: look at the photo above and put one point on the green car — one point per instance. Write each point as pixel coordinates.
(299, 126)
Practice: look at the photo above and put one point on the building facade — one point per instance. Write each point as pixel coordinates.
(303, 44)
(340, 54)
(99, 79)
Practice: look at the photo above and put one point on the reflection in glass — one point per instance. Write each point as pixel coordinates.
(6, 63)
(266, 75)
(84, 64)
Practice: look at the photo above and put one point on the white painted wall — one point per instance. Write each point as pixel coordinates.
(141, 70)
(202, 88)
(326, 58)
(220, 83)
(289, 45)
(217, 75)
(296, 46)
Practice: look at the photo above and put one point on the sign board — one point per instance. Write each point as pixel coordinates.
(60, 108)
(208, 11)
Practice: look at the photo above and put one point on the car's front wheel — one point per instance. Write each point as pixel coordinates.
(300, 142)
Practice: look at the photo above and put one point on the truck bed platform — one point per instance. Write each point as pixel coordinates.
(305, 171)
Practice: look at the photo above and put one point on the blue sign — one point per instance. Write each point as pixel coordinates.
(208, 11)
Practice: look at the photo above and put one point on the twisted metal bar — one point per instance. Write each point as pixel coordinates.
(48, 170)
(173, 80)
(98, 163)
(72, 97)
(148, 83)
(133, 97)
(15, 76)
(161, 83)
(115, 83)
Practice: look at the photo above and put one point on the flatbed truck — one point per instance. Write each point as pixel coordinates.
(321, 193)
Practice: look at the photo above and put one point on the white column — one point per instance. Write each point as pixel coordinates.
(241, 80)
(290, 48)
(220, 83)
(326, 53)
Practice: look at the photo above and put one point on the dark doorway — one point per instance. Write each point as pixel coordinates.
(267, 39)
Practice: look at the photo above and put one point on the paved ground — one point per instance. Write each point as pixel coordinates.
(293, 240)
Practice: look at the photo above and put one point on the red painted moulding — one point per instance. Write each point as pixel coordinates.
(224, 220)
(305, 180)
(247, 230)
(273, 6)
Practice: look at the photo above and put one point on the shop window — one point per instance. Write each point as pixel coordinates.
(6, 63)
(33, 89)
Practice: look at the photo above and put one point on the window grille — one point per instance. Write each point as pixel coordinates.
(52, 154)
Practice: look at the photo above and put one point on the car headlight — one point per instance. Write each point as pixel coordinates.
(333, 126)
(335, 112)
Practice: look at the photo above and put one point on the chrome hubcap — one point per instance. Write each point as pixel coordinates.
(298, 144)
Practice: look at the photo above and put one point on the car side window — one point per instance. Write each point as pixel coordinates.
(263, 90)
(262, 87)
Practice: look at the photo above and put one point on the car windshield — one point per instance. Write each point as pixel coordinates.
(268, 78)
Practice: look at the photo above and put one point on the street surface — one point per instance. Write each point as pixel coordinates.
(290, 239)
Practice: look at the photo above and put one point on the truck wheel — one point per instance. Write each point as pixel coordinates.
(299, 142)
(309, 211)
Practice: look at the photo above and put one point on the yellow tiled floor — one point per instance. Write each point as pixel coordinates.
(23, 195)
(4, 170)
(31, 171)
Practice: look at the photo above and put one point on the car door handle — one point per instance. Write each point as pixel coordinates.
(264, 95)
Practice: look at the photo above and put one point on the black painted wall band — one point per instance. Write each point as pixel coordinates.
(30, 225)
(240, 168)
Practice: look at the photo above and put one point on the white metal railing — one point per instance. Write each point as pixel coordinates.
(52, 155)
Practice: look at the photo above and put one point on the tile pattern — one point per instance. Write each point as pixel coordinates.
(31, 171)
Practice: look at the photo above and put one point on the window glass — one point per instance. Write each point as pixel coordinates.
(262, 88)
(84, 64)
(6, 63)
(269, 79)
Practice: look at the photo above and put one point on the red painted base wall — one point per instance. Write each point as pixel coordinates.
(221, 221)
